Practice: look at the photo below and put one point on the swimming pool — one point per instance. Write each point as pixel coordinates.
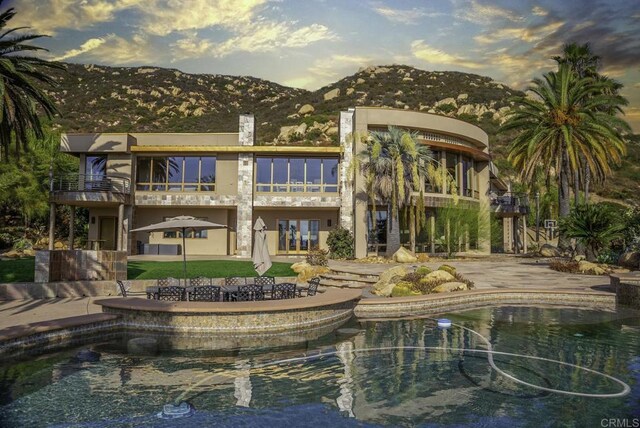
(400, 373)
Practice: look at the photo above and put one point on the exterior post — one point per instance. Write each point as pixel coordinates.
(52, 225)
(507, 236)
(432, 233)
(72, 220)
(538, 218)
(524, 234)
(119, 227)
(244, 217)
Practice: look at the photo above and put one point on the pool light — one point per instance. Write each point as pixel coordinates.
(444, 323)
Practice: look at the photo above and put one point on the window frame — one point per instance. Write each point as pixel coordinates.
(298, 188)
(167, 185)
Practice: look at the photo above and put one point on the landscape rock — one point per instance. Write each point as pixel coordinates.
(590, 268)
(402, 289)
(286, 131)
(422, 257)
(446, 101)
(306, 109)
(350, 91)
(438, 275)
(450, 286)
(579, 258)
(332, 94)
(12, 254)
(301, 129)
(630, 260)
(306, 271)
(388, 279)
(463, 97)
(447, 268)
(423, 270)
(548, 250)
(360, 81)
(404, 256)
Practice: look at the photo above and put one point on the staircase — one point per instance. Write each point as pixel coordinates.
(339, 277)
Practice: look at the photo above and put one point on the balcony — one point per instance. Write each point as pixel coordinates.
(90, 190)
(509, 204)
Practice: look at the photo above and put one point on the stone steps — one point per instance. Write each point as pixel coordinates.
(339, 278)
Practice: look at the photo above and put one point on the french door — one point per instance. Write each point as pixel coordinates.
(298, 236)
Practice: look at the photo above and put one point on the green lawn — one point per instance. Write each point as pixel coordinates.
(21, 270)
(17, 270)
(206, 268)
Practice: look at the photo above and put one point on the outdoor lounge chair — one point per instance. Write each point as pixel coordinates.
(286, 290)
(249, 293)
(267, 282)
(205, 293)
(125, 286)
(313, 286)
(171, 293)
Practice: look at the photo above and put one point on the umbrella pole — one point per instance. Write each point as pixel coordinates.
(184, 256)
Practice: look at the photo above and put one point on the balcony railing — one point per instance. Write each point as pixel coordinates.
(91, 183)
(510, 202)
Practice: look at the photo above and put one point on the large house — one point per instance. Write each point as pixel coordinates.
(130, 180)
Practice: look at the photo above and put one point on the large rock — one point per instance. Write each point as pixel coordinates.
(388, 280)
(404, 288)
(306, 109)
(301, 129)
(332, 94)
(404, 256)
(286, 131)
(590, 268)
(548, 250)
(306, 271)
(438, 275)
(450, 286)
(630, 260)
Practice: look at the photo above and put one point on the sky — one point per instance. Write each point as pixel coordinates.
(311, 43)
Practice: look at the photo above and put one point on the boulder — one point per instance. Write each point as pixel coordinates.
(548, 250)
(12, 254)
(300, 266)
(422, 257)
(590, 268)
(438, 275)
(446, 101)
(450, 286)
(404, 256)
(301, 129)
(332, 94)
(286, 131)
(306, 271)
(306, 109)
(404, 288)
(350, 91)
(462, 97)
(448, 268)
(332, 130)
(630, 260)
(579, 258)
(360, 81)
(423, 270)
(388, 279)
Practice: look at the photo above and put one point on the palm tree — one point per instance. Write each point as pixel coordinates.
(20, 98)
(394, 164)
(595, 226)
(571, 117)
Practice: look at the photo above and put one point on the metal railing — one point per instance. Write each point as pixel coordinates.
(90, 183)
(510, 202)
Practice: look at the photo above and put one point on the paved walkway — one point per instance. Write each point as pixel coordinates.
(492, 272)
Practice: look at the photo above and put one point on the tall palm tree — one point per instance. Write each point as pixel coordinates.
(20, 97)
(570, 117)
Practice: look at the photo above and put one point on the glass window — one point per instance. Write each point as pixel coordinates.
(452, 169)
(330, 174)
(314, 174)
(176, 173)
(95, 167)
(191, 173)
(143, 171)
(296, 174)
(280, 174)
(263, 174)
(208, 173)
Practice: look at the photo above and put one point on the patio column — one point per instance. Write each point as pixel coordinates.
(507, 239)
(244, 213)
(72, 220)
(525, 238)
(119, 227)
(346, 183)
(52, 225)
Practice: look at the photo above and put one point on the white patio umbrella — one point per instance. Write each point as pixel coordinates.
(181, 224)
(261, 259)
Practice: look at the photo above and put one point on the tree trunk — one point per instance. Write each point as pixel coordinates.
(412, 229)
(587, 183)
(563, 200)
(576, 188)
(393, 232)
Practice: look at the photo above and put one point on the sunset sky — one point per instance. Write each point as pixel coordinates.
(308, 44)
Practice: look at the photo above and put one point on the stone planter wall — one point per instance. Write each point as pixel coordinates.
(627, 290)
(79, 265)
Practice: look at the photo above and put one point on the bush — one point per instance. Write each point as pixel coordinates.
(22, 244)
(449, 269)
(340, 242)
(567, 266)
(318, 257)
(423, 270)
(609, 257)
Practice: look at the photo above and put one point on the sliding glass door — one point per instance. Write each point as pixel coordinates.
(298, 236)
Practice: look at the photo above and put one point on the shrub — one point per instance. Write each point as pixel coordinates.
(567, 266)
(449, 269)
(593, 225)
(340, 242)
(609, 257)
(423, 270)
(318, 257)
(22, 244)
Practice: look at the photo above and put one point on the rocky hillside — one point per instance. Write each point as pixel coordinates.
(151, 99)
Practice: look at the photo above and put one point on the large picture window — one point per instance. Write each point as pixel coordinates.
(176, 173)
(296, 174)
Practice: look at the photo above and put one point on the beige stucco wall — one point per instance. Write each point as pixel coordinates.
(217, 240)
(96, 143)
(94, 228)
(271, 217)
(186, 139)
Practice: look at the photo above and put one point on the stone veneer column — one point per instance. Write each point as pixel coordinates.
(244, 215)
(346, 180)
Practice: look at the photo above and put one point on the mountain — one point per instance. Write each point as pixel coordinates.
(95, 98)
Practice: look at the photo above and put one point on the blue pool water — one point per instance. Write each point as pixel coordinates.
(390, 373)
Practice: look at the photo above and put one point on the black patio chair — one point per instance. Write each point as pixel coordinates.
(199, 281)
(267, 282)
(249, 292)
(171, 293)
(205, 293)
(125, 286)
(235, 280)
(313, 286)
(168, 282)
(286, 290)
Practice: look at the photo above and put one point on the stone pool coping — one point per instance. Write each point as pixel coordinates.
(397, 307)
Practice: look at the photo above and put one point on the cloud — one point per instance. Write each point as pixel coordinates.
(531, 34)
(538, 11)
(327, 70)
(478, 13)
(427, 53)
(87, 46)
(404, 16)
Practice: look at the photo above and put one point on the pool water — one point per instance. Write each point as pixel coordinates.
(398, 373)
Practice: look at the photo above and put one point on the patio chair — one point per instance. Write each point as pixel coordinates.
(249, 292)
(205, 293)
(235, 280)
(313, 286)
(168, 282)
(286, 290)
(171, 293)
(199, 281)
(267, 282)
(125, 286)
